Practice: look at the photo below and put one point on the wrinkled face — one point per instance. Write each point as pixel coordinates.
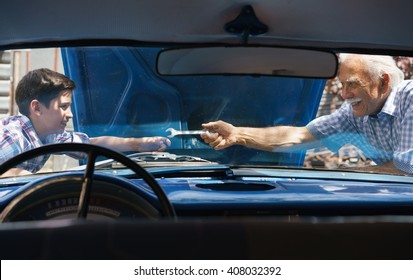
(55, 117)
(366, 95)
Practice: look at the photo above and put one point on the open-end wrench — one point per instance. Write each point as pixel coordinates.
(175, 132)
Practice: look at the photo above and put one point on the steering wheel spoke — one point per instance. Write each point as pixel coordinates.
(85, 193)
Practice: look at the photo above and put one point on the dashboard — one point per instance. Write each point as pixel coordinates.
(245, 192)
(242, 215)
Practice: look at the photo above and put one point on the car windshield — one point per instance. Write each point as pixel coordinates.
(200, 130)
(120, 91)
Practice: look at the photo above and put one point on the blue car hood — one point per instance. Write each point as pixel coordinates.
(120, 93)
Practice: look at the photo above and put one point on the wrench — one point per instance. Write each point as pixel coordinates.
(175, 132)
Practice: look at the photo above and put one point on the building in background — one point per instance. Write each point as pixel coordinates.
(5, 82)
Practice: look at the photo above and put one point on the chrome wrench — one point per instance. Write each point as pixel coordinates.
(175, 132)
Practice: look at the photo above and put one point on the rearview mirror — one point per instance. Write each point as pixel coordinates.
(247, 60)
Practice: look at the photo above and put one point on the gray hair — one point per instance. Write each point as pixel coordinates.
(377, 65)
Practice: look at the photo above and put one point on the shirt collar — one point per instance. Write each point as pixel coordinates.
(26, 121)
(389, 106)
(30, 128)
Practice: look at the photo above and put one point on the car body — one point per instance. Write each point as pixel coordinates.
(193, 202)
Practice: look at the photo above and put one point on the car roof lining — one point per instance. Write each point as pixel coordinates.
(338, 25)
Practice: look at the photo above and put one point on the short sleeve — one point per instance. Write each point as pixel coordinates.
(68, 137)
(9, 147)
(403, 154)
(334, 130)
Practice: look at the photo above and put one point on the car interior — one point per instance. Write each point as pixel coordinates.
(150, 68)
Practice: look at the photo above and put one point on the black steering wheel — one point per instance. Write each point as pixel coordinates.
(88, 175)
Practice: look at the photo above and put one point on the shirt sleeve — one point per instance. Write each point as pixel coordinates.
(403, 153)
(10, 147)
(335, 130)
(68, 137)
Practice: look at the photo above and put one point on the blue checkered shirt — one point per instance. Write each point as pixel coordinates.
(387, 136)
(18, 135)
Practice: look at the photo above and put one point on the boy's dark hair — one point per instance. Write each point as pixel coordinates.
(41, 84)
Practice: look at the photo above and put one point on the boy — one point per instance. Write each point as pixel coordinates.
(44, 98)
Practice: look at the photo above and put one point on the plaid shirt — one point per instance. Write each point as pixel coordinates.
(18, 135)
(387, 136)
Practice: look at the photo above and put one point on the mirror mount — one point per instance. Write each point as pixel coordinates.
(246, 24)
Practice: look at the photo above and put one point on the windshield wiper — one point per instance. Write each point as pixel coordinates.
(164, 157)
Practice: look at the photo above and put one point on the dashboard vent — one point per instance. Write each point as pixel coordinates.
(237, 186)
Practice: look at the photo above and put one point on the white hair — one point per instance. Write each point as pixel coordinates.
(377, 65)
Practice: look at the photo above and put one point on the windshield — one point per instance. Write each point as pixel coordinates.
(119, 93)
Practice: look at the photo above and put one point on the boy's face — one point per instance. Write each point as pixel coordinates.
(55, 118)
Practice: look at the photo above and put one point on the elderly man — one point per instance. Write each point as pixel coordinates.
(377, 117)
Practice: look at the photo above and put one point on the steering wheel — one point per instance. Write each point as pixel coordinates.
(88, 176)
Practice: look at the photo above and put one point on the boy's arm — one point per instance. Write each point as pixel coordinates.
(144, 144)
